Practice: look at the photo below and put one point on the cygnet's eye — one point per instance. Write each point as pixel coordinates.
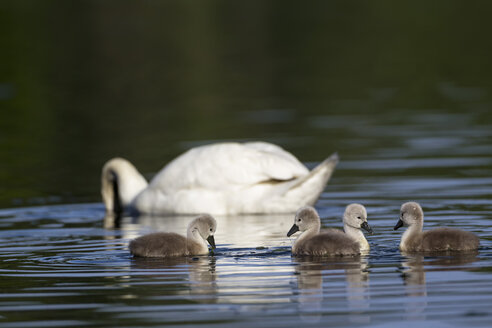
(359, 217)
(211, 229)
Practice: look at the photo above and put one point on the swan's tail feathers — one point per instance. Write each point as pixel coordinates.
(307, 189)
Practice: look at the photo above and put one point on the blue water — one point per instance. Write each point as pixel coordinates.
(61, 267)
(400, 90)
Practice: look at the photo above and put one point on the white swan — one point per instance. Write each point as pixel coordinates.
(223, 178)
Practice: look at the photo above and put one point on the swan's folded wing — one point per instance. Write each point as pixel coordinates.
(266, 147)
(228, 166)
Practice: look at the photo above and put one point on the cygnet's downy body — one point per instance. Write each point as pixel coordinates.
(165, 244)
(333, 242)
(435, 240)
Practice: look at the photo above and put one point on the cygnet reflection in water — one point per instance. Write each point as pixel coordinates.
(435, 240)
(331, 242)
(313, 292)
(414, 267)
(196, 275)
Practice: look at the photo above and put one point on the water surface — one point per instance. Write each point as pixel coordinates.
(62, 267)
(401, 90)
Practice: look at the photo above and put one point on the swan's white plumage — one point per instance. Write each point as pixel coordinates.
(226, 166)
(128, 187)
(229, 178)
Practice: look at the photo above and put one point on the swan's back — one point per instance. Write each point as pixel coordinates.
(231, 178)
(329, 243)
(448, 239)
(228, 165)
(160, 244)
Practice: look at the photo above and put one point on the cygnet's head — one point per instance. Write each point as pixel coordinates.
(410, 213)
(306, 218)
(355, 216)
(205, 225)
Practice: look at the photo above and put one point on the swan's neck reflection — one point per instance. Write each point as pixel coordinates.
(357, 291)
(415, 287)
(414, 276)
(312, 289)
(198, 274)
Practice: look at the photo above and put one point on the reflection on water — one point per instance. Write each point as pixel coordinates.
(243, 231)
(60, 258)
(314, 294)
(415, 266)
(415, 288)
(407, 106)
(198, 275)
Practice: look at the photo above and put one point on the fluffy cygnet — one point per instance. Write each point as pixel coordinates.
(166, 244)
(435, 240)
(332, 242)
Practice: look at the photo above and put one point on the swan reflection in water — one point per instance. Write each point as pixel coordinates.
(236, 231)
(235, 235)
(319, 279)
(414, 268)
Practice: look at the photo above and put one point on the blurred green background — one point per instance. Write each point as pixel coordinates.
(83, 81)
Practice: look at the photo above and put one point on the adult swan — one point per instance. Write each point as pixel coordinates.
(222, 178)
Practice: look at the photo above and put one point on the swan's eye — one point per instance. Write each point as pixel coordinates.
(359, 217)
(211, 229)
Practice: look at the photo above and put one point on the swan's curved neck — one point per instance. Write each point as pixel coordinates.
(120, 184)
(357, 235)
(113, 201)
(194, 235)
(410, 234)
(312, 231)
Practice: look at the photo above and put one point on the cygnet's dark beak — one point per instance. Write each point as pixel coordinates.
(293, 230)
(211, 241)
(398, 224)
(366, 227)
